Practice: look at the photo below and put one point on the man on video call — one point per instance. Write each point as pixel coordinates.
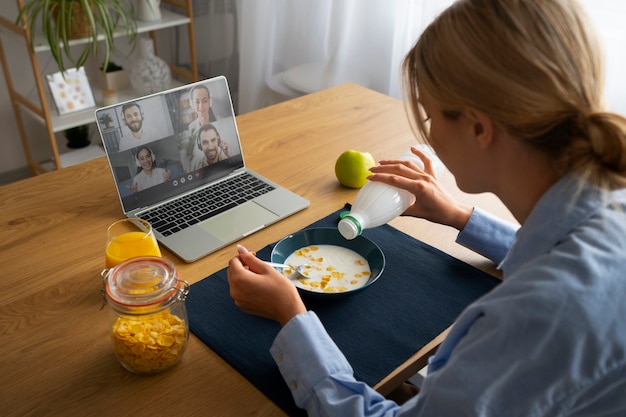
(139, 134)
(211, 145)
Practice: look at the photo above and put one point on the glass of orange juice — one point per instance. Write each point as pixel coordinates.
(130, 238)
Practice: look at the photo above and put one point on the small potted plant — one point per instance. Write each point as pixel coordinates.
(95, 18)
(106, 120)
(77, 137)
(112, 77)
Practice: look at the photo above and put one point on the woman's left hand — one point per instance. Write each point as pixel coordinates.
(432, 200)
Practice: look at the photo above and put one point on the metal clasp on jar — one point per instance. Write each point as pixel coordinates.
(104, 274)
(183, 290)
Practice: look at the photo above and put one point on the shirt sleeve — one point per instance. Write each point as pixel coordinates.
(319, 376)
(488, 235)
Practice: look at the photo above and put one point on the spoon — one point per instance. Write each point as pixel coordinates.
(299, 269)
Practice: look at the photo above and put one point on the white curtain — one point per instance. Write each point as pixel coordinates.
(293, 47)
(609, 17)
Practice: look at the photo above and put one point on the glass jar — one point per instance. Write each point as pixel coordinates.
(149, 327)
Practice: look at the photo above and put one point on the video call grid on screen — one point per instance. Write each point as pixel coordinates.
(170, 127)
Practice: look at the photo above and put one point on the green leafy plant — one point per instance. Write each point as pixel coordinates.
(106, 119)
(77, 137)
(103, 18)
(110, 67)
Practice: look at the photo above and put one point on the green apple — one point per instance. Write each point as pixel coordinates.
(352, 168)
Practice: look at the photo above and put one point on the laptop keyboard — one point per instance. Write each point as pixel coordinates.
(206, 203)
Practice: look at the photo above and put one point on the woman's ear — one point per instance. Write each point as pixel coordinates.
(482, 127)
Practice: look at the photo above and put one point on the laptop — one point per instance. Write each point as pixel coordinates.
(177, 162)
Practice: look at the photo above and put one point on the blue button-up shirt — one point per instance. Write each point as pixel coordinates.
(549, 341)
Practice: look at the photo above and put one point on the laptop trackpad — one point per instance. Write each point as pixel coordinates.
(238, 221)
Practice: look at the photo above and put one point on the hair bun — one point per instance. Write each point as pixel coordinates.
(606, 133)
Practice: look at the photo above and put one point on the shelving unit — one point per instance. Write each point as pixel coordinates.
(38, 103)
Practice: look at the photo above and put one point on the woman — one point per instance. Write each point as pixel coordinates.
(509, 94)
(149, 174)
(200, 101)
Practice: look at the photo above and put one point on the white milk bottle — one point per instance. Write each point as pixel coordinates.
(378, 203)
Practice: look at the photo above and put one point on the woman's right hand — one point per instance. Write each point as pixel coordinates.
(432, 200)
(259, 289)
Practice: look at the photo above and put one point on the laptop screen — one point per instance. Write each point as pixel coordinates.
(164, 144)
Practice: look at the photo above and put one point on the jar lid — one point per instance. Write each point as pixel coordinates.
(142, 281)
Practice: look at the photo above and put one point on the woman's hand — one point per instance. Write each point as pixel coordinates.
(432, 201)
(134, 187)
(259, 289)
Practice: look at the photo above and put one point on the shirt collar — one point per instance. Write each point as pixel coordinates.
(559, 210)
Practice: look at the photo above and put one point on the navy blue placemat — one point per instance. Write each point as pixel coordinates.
(421, 292)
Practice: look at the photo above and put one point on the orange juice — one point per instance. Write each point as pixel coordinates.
(130, 245)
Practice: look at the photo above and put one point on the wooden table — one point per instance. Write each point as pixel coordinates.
(56, 357)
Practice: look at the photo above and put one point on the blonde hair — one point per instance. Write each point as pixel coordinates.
(534, 66)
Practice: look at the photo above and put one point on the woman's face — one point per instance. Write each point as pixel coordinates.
(145, 159)
(201, 103)
(452, 139)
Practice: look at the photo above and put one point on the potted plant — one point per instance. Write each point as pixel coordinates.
(112, 77)
(99, 19)
(106, 120)
(77, 137)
